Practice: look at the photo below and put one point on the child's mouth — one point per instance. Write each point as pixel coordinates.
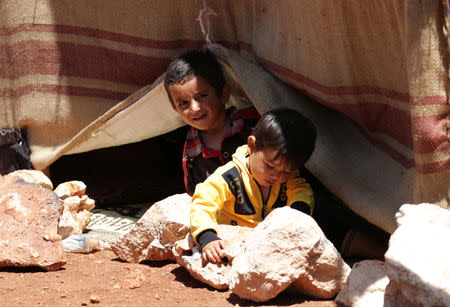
(195, 119)
(270, 182)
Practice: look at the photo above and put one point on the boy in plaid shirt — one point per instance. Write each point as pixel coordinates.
(197, 90)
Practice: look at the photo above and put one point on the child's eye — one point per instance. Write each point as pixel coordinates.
(269, 166)
(202, 96)
(182, 103)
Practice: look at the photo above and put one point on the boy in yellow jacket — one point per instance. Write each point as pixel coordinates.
(263, 175)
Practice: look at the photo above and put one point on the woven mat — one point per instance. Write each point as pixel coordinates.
(109, 223)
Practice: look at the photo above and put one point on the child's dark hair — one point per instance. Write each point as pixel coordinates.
(288, 132)
(195, 63)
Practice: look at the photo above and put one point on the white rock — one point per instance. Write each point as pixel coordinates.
(71, 188)
(83, 218)
(68, 225)
(287, 249)
(153, 236)
(87, 203)
(74, 217)
(365, 286)
(81, 244)
(417, 261)
(72, 203)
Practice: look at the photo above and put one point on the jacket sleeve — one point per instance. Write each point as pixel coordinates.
(207, 201)
(299, 192)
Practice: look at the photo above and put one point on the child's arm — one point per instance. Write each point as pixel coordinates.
(211, 246)
(299, 194)
(207, 201)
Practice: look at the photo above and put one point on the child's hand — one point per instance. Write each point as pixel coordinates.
(212, 251)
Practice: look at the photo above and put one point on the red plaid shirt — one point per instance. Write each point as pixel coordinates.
(242, 121)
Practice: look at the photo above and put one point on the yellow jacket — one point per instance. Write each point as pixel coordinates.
(231, 196)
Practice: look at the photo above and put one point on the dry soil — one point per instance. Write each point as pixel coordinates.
(95, 276)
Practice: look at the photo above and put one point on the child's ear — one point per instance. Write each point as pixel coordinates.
(251, 144)
(226, 91)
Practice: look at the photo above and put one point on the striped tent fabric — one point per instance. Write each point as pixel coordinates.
(384, 65)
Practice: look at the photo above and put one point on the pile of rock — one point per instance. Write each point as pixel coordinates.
(35, 219)
(76, 213)
(287, 250)
(416, 270)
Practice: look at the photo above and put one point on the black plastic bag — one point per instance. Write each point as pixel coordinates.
(14, 152)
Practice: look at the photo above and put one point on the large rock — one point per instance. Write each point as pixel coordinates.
(188, 255)
(29, 216)
(417, 261)
(287, 249)
(153, 236)
(368, 286)
(33, 176)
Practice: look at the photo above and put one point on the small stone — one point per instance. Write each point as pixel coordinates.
(71, 188)
(132, 280)
(95, 299)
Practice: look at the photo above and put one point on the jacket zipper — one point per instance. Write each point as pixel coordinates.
(263, 215)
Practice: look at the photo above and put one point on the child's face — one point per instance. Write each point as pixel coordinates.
(267, 170)
(198, 104)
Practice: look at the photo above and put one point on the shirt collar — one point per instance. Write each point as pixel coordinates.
(194, 145)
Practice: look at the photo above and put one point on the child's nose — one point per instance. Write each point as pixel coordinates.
(277, 174)
(195, 105)
(274, 174)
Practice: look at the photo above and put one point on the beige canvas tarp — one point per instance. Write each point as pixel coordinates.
(383, 64)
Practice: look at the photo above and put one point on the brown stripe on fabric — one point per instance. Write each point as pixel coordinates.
(69, 81)
(61, 90)
(384, 146)
(430, 168)
(174, 44)
(430, 143)
(289, 74)
(396, 123)
(107, 35)
(380, 118)
(429, 100)
(68, 59)
(430, 133)
(376, 118)
(335, 90)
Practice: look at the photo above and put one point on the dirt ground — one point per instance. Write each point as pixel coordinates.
(95, 276)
